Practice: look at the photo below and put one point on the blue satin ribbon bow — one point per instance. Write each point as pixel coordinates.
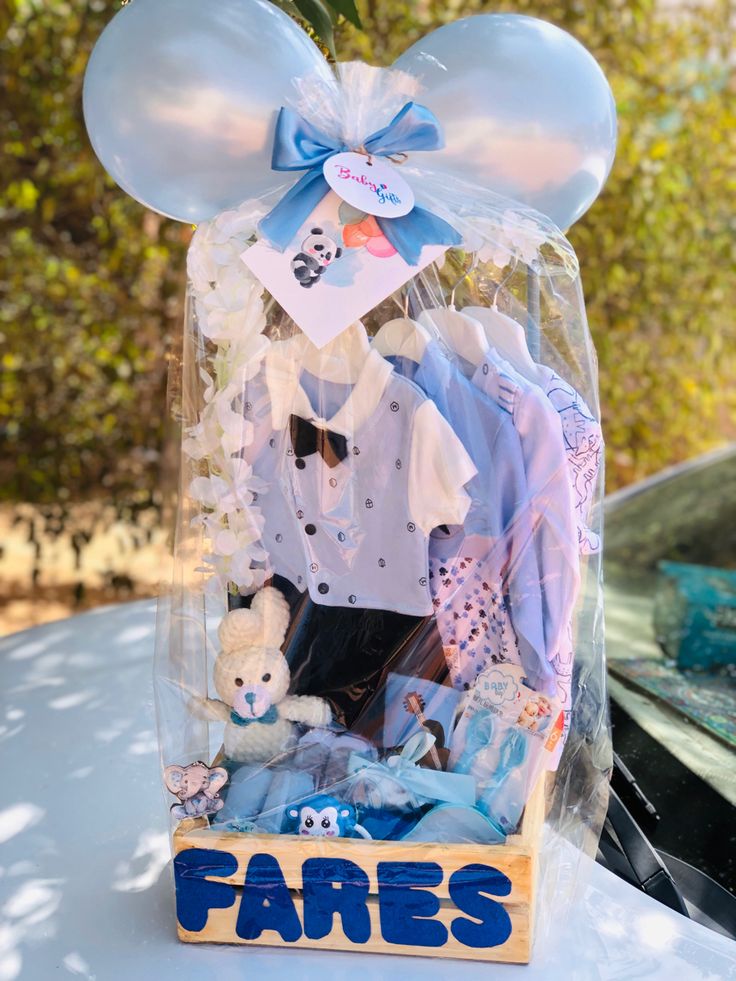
(298, 145)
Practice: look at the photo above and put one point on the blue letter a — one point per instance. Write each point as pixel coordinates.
(266, 902)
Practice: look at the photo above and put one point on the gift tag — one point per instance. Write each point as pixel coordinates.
(369, 184)
(338, 267)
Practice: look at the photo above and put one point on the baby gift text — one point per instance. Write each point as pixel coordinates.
(380, 190)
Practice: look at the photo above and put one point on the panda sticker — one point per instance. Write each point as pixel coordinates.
(318, 252)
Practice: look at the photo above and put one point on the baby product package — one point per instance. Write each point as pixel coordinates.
(380, 673)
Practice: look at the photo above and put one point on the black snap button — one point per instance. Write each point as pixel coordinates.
(356, 451)
(485, 369)
(290, 452)
(341, 536)
(369, 503)
(248, 406)
(333, 482)
(300, 579)
(310, 529)
(300, 464)
(411, 526)
(323, 588)
(423, 581)
(382, 563)
(394, 406)
(352, 599)
(314, 567)
(398, 464)
(279, 538)
(300, 514)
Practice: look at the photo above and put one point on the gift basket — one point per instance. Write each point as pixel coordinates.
(380, 666)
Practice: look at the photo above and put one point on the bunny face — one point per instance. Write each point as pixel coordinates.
(251, 680)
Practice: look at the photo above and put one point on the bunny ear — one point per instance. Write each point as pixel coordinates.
(263, 625)
(239, 628)
(271, 605)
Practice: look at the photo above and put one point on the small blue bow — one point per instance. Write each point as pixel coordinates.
(298, 145)
(267, 719)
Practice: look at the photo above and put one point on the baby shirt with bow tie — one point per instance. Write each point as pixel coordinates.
(353, 498)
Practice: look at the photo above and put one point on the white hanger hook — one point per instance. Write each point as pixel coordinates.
(465, 274)
(500, 286)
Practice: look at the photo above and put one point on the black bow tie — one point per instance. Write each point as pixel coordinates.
(307, 439)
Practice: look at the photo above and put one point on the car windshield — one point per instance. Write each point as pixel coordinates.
(670, 556)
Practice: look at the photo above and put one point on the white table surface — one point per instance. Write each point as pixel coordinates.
(85, 881)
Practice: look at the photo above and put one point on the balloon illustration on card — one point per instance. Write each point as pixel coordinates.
(181, 100)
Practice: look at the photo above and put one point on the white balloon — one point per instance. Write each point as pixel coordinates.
(181, 98)
(526, 111)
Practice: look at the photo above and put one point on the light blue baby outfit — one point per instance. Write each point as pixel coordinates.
(485, 575)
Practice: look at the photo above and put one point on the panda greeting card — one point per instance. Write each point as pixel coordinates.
(338, 266)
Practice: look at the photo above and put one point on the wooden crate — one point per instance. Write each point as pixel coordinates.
(473, 902)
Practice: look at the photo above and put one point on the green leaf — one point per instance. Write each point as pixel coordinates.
(348, 9)
(317, 15)
(288, 7)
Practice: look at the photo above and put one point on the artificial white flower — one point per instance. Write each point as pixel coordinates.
(240, 361)
(525, 235)
(228, 302)
(234, 307)
(201, 266)
(513, 238)
(240, 223)
(227, 573)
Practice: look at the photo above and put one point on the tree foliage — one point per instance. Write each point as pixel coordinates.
(91, 284)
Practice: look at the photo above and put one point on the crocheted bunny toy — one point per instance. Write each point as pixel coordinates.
(252, 679)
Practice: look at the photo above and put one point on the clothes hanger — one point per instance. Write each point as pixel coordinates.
(506, 334)
(341, 360)
(402, 338)
(461, 332)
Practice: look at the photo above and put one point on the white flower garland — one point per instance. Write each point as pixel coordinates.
(228, 303)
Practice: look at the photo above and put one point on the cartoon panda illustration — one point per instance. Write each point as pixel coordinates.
(318, 251)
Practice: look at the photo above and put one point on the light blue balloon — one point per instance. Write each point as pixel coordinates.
(526, 110)
(181, 98)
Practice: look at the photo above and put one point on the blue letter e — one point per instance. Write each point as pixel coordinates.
(406, 907)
